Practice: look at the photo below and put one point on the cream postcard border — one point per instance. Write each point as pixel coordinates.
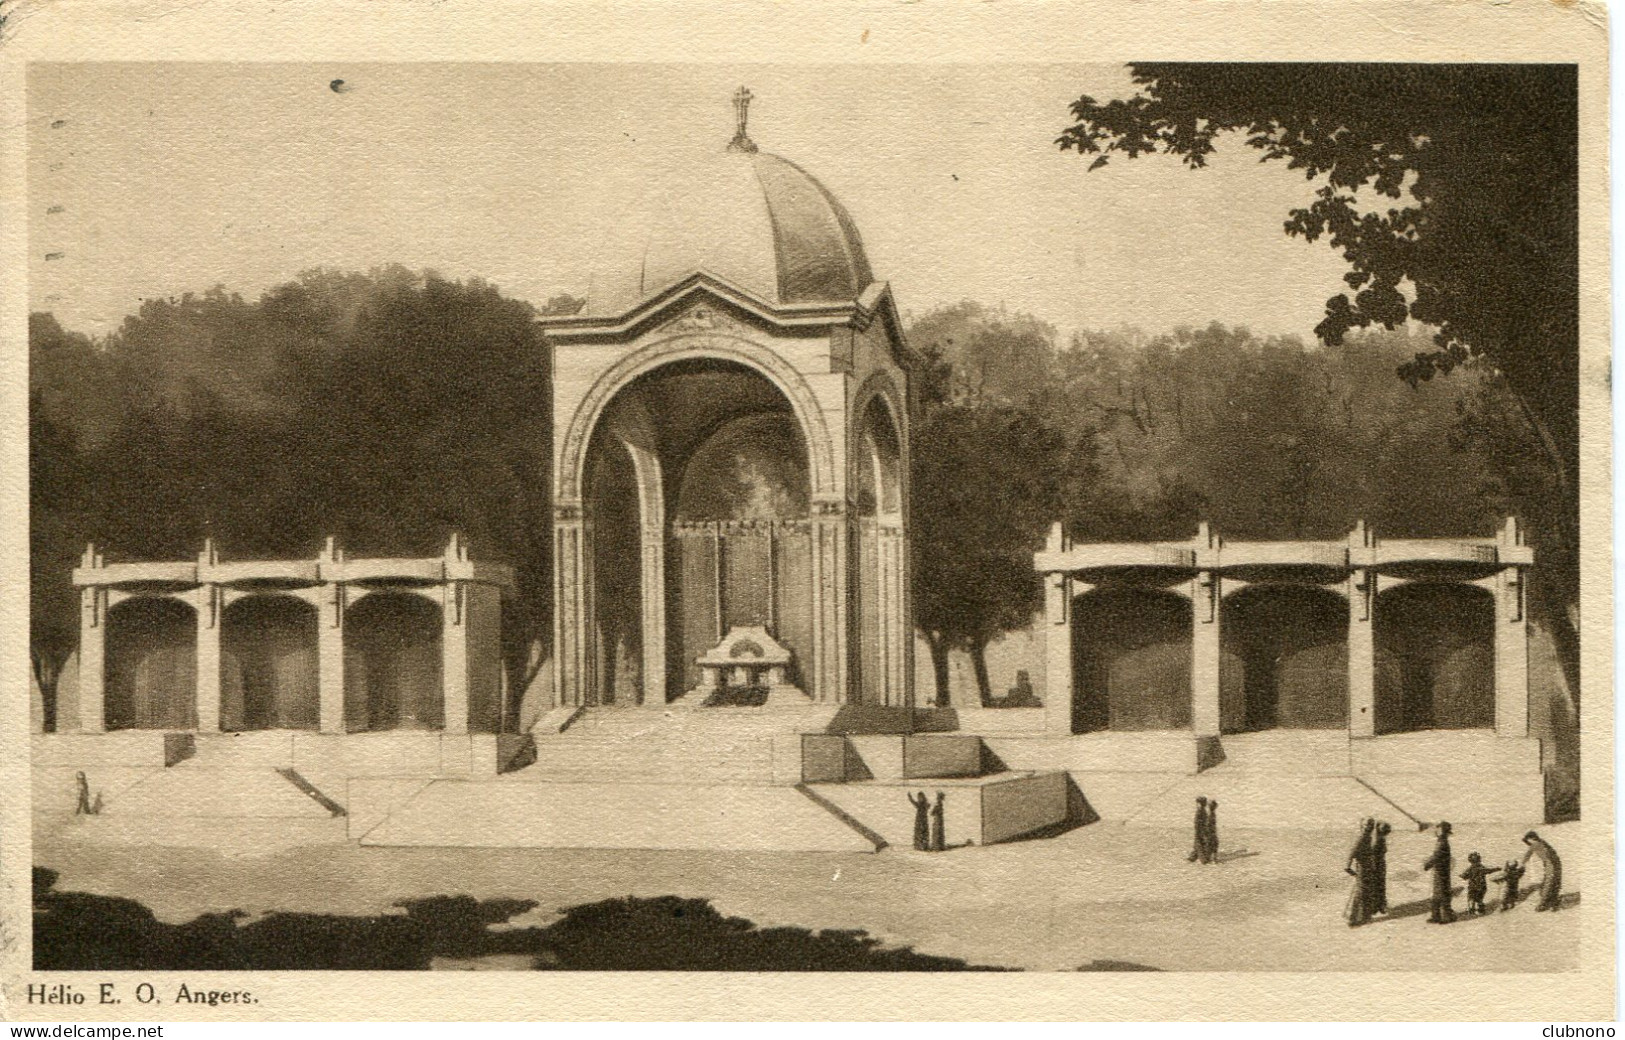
(877, 31)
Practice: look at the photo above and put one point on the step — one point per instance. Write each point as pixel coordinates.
(194, 791)
(1304, 752)
(610, 816)
(976, 810)
(1251, 800)
(239, 836)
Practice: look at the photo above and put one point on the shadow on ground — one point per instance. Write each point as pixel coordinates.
(76, 931)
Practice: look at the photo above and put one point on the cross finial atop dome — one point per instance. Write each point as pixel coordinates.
(742, 141)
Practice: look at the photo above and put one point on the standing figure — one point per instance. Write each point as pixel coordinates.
(1199, 852)
(1440, 910)
(1477, 876)
(84, 807)
(1212, 831)
(922, 825)
(1379, 870)
(1551, 885)
(1357, 910)
(1511, 874)
(939, 830)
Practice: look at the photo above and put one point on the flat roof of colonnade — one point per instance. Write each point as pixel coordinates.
(329, 567)
(1462, 558)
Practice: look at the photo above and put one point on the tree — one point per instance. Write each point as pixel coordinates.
(992, 355)
(987, 484)
(389, 409)
(1452, 192)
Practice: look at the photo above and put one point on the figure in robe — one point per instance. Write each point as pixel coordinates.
(1199, 853)
(1378, 900)
(84, 807)
(1212, 831)
(1551, 886)
(1440, 910)
(1477, 876)
(1357, 910)
(922, 823)
(939, 835)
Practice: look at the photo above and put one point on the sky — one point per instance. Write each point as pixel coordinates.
(150, 180)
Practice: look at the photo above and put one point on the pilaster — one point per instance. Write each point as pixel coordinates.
(571, 653)
(1060, 589)
(210, 603)
(330, 644)
(1511, 655)
(1362, 636)
(653, 577)
(1207, 598)
(92, 651)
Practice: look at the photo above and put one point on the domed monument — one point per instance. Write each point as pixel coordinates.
(730, 456)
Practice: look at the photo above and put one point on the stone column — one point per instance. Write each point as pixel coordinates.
(1511, 655)
(330, 603)
(330, 657)
(1207, 597)
(654, 614)
(1362, 635)
(454, 657)
(92, 651)
(1059, 592)
(1362, 653)
(570, 601)
(210, 605)
(831, 642)
(894, 627)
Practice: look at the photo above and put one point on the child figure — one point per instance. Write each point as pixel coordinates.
(1511, 875)
(1477, 877)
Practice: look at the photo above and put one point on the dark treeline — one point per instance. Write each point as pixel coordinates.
(1136, 437)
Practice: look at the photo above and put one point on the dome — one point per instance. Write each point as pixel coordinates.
(752, 219)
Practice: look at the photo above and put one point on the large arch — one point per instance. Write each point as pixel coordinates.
(268, 664)
(1131, 650)
(1435, 645)
(150, 664)
(393, 663)
(1285, 658)
(571, 471)
(697, 492)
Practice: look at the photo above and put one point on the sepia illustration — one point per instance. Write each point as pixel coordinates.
(1070, 517)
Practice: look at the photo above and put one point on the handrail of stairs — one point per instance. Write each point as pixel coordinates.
(293, 777)
(845, 817)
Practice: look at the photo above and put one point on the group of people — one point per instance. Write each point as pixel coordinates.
(1368, 864)
(930, 832)
(1206, 847)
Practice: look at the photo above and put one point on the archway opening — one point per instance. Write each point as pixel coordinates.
(268, 664)
(1285, 659)
(877, 562)
(392, 663)
(1131, 654)
(617, 581)
(724, 476)
(1435, 658)
(150, 667)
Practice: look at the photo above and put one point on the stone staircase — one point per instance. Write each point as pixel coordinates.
(206, 804)
(612, 816)
(676, 746)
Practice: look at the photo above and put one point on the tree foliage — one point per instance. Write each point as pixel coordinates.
(1452, 192)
